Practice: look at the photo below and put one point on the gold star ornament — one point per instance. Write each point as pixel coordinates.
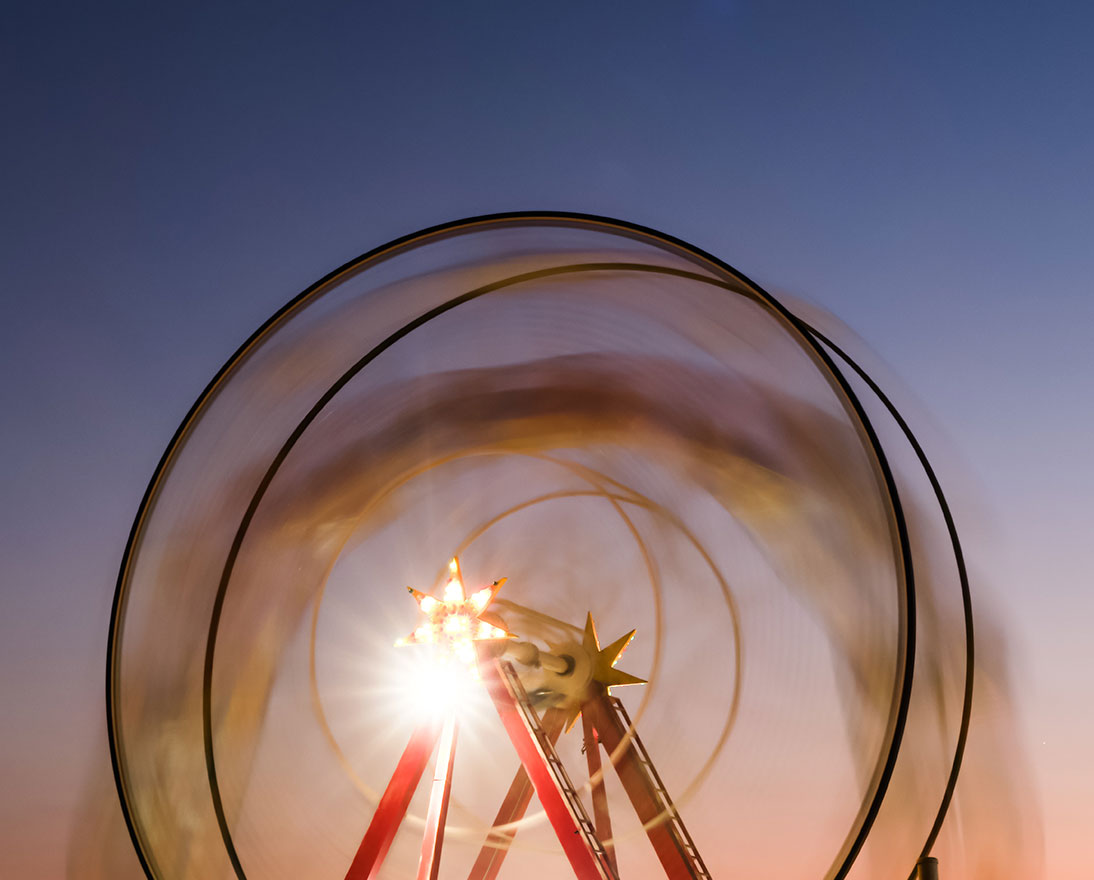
(604, 659)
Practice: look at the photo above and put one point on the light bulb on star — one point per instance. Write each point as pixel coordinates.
(453, 623)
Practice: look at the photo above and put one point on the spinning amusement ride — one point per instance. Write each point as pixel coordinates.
(643, 441)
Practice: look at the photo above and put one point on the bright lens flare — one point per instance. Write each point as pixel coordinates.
(451, 627)
(432, 685)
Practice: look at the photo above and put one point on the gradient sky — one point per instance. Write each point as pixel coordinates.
(173, 174)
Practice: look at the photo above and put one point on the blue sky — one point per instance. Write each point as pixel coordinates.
(172, 175)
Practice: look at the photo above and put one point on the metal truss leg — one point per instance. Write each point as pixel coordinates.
(601, 816)
(640, 788)
(430, 863)
(574, 843)
(513, 808)
(393, 805)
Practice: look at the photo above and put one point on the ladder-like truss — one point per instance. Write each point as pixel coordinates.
(665, 815)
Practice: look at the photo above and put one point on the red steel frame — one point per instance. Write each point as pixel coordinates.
(512, 809)
(430, 862)
(639, 787)
(589, 858)
(392, 807)
(396, 798)
(596, 777)
(555, 805)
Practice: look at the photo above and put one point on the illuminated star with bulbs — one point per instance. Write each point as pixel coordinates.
(454, 622)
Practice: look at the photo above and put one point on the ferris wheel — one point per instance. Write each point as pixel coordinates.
(682, 583)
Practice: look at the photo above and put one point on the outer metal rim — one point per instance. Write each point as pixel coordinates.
(963, 578)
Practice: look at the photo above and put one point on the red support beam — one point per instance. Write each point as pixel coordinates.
(513, 808)
(430, 863)
(580, 856)
(601, 816)
(393, 805)
(639, 788)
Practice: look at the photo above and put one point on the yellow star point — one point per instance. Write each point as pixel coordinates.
(604, 659)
